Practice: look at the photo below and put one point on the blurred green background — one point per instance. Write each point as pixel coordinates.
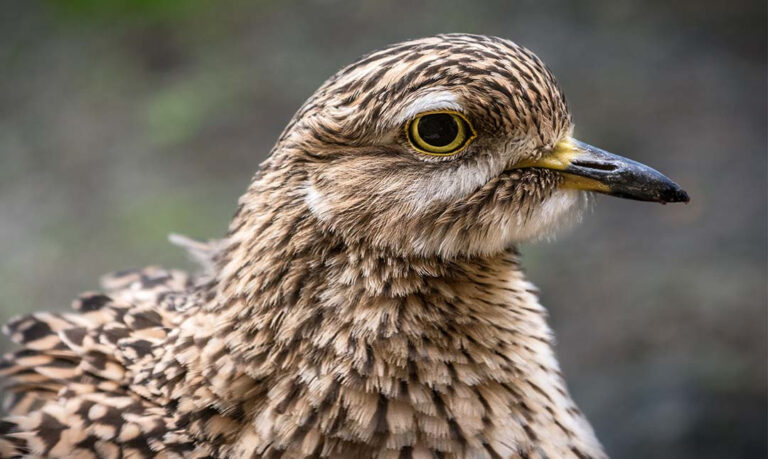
(122, 121)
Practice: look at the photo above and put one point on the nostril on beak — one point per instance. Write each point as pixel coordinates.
(601, 166)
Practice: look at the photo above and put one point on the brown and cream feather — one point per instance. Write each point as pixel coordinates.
(367, 300)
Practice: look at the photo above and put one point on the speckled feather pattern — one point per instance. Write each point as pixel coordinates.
(367, 301)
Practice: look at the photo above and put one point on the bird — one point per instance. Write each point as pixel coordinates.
(368, 298)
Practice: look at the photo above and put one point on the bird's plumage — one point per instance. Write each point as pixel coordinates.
(366, 302)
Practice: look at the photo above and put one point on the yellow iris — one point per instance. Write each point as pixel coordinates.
(440, 133)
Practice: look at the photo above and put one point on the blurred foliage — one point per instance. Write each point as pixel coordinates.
(122, 121)
(157, 10)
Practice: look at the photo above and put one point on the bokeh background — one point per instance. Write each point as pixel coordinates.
(124, 120)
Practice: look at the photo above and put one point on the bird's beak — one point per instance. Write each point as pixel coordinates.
(585, 167)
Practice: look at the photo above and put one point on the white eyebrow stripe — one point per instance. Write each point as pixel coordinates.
(437, 100)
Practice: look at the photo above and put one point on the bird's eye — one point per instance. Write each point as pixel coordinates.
(440, 133)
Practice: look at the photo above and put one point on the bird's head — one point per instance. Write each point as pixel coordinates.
(450, 145)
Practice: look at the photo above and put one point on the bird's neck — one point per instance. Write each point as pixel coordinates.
(375, 347)
(282, 274)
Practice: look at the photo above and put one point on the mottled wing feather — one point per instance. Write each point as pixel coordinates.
(68, 391)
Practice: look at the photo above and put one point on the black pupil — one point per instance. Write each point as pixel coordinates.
(438, 130)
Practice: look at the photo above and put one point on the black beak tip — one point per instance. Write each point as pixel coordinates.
(674, 194)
